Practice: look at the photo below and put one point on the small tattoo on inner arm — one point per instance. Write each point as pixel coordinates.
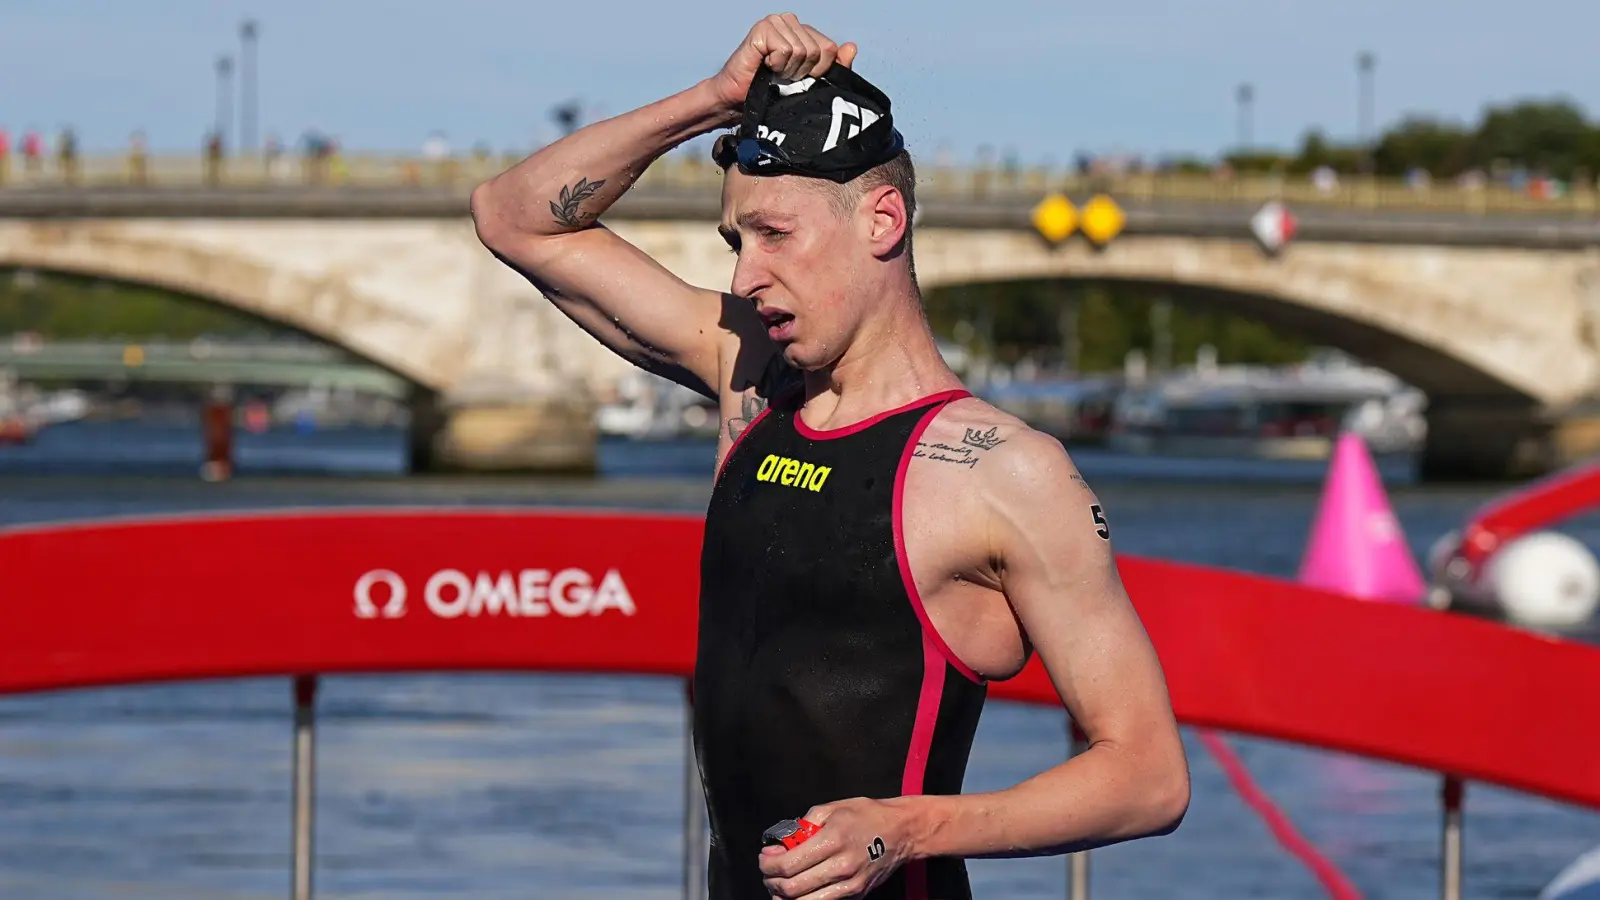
(750, 407)
(1104, 529)
(569, 212)
(1081, 483)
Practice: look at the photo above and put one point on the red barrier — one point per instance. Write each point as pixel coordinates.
(1537, 505)
(118, 602)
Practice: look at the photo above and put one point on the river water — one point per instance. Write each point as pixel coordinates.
(479, 787)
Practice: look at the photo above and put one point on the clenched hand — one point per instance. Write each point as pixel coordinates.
(860, 844)
(789, 48)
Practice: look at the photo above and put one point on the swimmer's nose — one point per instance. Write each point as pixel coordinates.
(749, 276)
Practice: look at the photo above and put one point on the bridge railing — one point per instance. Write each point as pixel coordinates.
(684, 171)
(178, 351)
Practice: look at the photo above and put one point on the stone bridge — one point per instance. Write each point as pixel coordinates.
(1497, 318)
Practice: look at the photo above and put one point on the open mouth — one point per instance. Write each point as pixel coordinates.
(778, 322)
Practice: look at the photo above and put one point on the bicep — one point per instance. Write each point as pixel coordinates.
(626, 300)
(1061, 579)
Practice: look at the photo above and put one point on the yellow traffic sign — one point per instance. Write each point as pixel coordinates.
(1055, 217)
(1102, 219)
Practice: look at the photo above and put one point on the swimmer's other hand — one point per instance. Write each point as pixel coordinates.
(861, 843)
(792, 51)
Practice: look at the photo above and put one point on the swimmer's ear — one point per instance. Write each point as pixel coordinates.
(847, 54)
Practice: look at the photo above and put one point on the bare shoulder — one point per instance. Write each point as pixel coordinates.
(1010, 454)
(1023, 480)
(1016, 490)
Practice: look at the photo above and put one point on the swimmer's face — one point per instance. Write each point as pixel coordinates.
(805, 263)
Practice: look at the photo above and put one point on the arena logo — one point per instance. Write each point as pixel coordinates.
(530, 593)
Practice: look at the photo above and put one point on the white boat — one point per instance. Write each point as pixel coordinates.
(649, 407)
(1293, 412)
(1579, 881)
(62, 406)
(1074, 410)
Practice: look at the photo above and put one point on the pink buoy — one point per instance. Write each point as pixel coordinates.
(1357, 546)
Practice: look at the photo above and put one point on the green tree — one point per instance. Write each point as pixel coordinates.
(1549, 136)
(1443, 149)
(1545, 136)
(1113, 319)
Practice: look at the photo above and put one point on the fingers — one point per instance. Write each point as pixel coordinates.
(835, 863)
(793, 50)
(783, 45)
(847, 54)
(806, 49)
(802, 65)
(843, 890)
(829, 51)
(830, 872)
(770, 41)
(789, 863)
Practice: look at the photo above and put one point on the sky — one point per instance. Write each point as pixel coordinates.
(1043, 80)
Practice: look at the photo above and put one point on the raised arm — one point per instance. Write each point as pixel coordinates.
(540, 216)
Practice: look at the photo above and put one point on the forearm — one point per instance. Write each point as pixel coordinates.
(527, 198)
(1099, 797)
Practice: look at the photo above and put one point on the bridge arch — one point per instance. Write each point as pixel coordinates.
(327, 308)
(1441, 319)
(1428, 367)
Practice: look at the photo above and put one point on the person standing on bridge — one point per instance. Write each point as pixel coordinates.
(878, 542)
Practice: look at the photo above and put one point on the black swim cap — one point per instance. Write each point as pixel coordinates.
(835, 126)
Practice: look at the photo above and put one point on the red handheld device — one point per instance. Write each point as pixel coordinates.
(790, 833)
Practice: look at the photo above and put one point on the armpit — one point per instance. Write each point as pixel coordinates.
(778, 379)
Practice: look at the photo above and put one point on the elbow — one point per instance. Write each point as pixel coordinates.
(1173, 805)
(1155, 797)
(489, 218)
(1167, 800)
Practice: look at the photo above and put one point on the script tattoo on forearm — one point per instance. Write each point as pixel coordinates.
(569, 212)
(963, 455)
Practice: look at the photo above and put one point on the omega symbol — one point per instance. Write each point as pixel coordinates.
(396, 605)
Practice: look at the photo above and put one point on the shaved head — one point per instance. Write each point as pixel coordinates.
(897, 173)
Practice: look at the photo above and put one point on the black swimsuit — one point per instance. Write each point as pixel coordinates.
(818, 676)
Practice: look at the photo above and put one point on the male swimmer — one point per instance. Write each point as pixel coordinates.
(879, 544)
